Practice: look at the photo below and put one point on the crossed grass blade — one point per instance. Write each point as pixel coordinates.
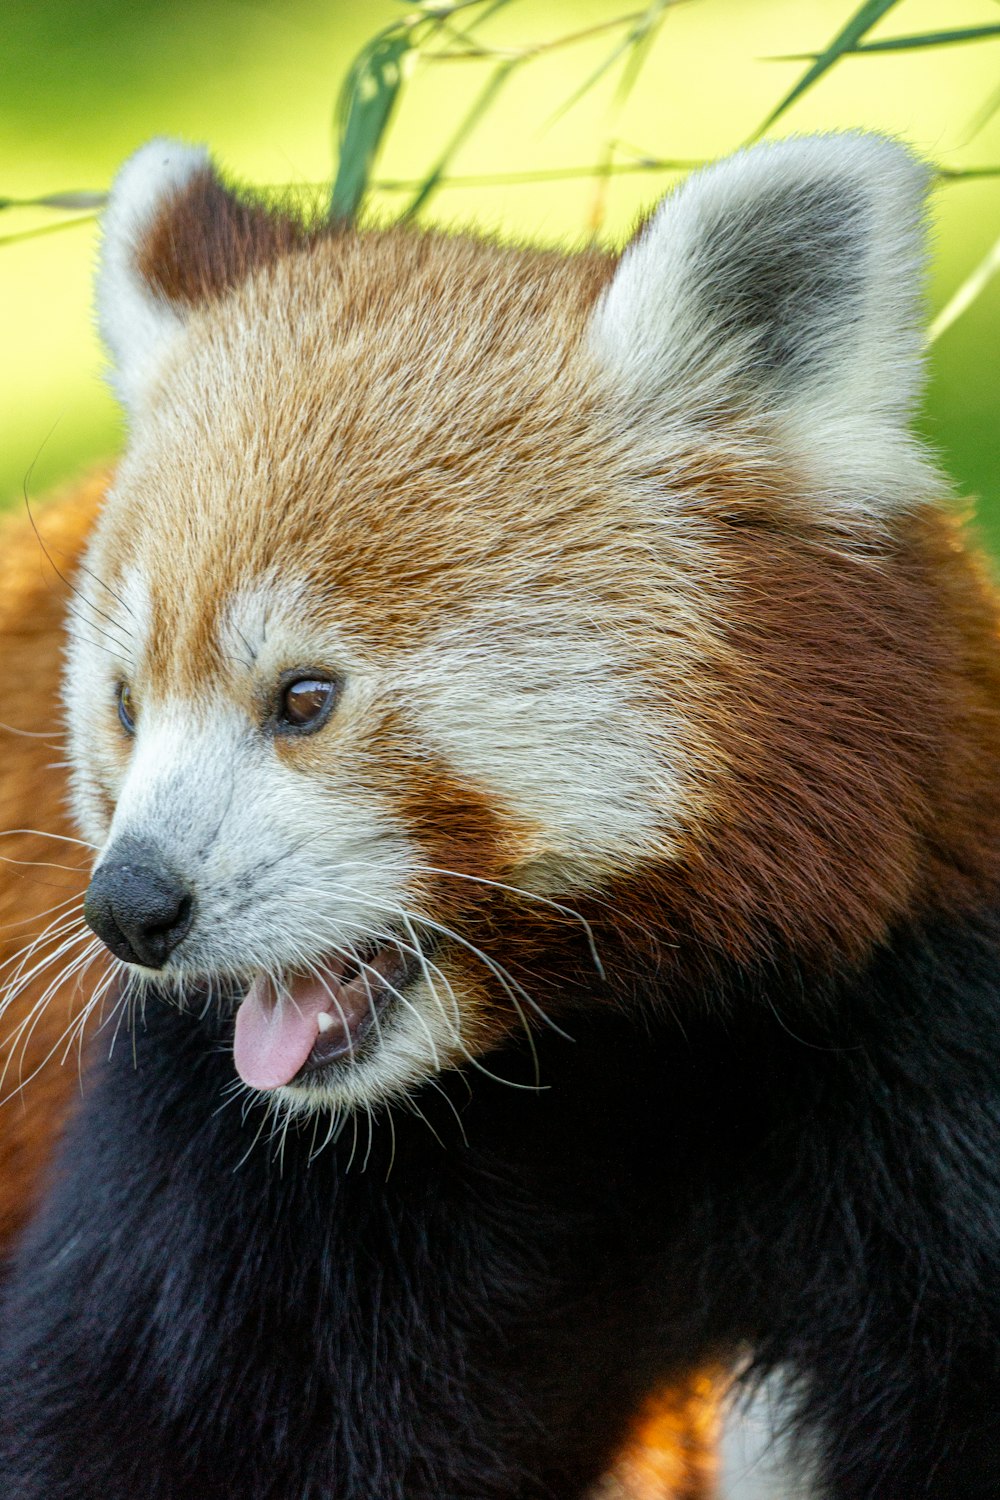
(863, 19)
(913, 42)
(634, 47)
(480, 107)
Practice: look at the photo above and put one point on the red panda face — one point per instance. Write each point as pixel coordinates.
(420, 619)
(304, 503)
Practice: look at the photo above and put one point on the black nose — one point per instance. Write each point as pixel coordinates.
(138, 907)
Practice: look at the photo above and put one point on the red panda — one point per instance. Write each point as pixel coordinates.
(43, 876)
(536, 724)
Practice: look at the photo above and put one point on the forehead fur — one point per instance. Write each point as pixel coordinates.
(407, 421)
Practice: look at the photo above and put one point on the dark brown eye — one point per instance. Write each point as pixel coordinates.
(305, 702)
(126, 708)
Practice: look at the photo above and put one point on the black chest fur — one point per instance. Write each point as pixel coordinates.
(469, 1299)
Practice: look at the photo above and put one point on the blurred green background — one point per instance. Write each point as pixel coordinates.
(516, 102)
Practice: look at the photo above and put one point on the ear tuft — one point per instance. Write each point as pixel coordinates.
(781, 285)
(136, 324)
(174, 238)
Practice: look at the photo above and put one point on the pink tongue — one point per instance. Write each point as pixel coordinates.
(276, 1033)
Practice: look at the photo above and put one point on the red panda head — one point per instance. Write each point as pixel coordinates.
(470, 625)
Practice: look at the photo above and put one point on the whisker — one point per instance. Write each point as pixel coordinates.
(41, 864)
(77, 593)
(56, 929)
(433, 1083)
(121, 649)
(43, 833)
(506, 979)
(77, 968)
(558, 906)
(108, 589)
(31, 734)
(37, 916)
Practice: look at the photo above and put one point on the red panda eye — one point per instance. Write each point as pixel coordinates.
(306, 702)
(126, 707)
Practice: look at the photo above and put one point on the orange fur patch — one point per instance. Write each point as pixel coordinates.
(36, 871)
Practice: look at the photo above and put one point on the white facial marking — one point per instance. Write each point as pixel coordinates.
(264, 622)
(136, 325)
(539, 712)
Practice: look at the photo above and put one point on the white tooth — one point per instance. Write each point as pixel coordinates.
(324, 1020)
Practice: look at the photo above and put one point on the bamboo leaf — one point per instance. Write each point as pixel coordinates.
(903, 43)
(972, 287)
(862, 21)
(366, 102)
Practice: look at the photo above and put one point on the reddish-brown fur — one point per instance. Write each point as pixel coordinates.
(208, 243)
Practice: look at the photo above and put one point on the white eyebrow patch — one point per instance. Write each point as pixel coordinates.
(263, 623)
(136, 605)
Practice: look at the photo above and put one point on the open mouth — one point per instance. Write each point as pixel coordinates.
(289, 1030)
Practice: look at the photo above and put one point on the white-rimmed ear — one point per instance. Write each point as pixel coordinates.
(782, 285)
(174, 237)
(137, 321)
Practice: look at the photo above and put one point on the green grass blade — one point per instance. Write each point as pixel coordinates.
(984, 114)
(966, 174)
(863, 20)
(73, 201)
(36, 234)
(904, 43)
(366, 102)
(972, 287)
(542, 174)
(930, 39)
(643, 36)
(480, 105)
(636, 43)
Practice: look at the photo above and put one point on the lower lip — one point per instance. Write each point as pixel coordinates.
(331, 1048)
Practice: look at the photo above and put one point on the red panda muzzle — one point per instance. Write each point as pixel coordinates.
(283, 1033)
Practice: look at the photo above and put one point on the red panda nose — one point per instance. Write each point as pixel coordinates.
(138, 907)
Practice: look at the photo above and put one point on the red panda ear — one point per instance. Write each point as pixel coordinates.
(173, 238)
(780, 290)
